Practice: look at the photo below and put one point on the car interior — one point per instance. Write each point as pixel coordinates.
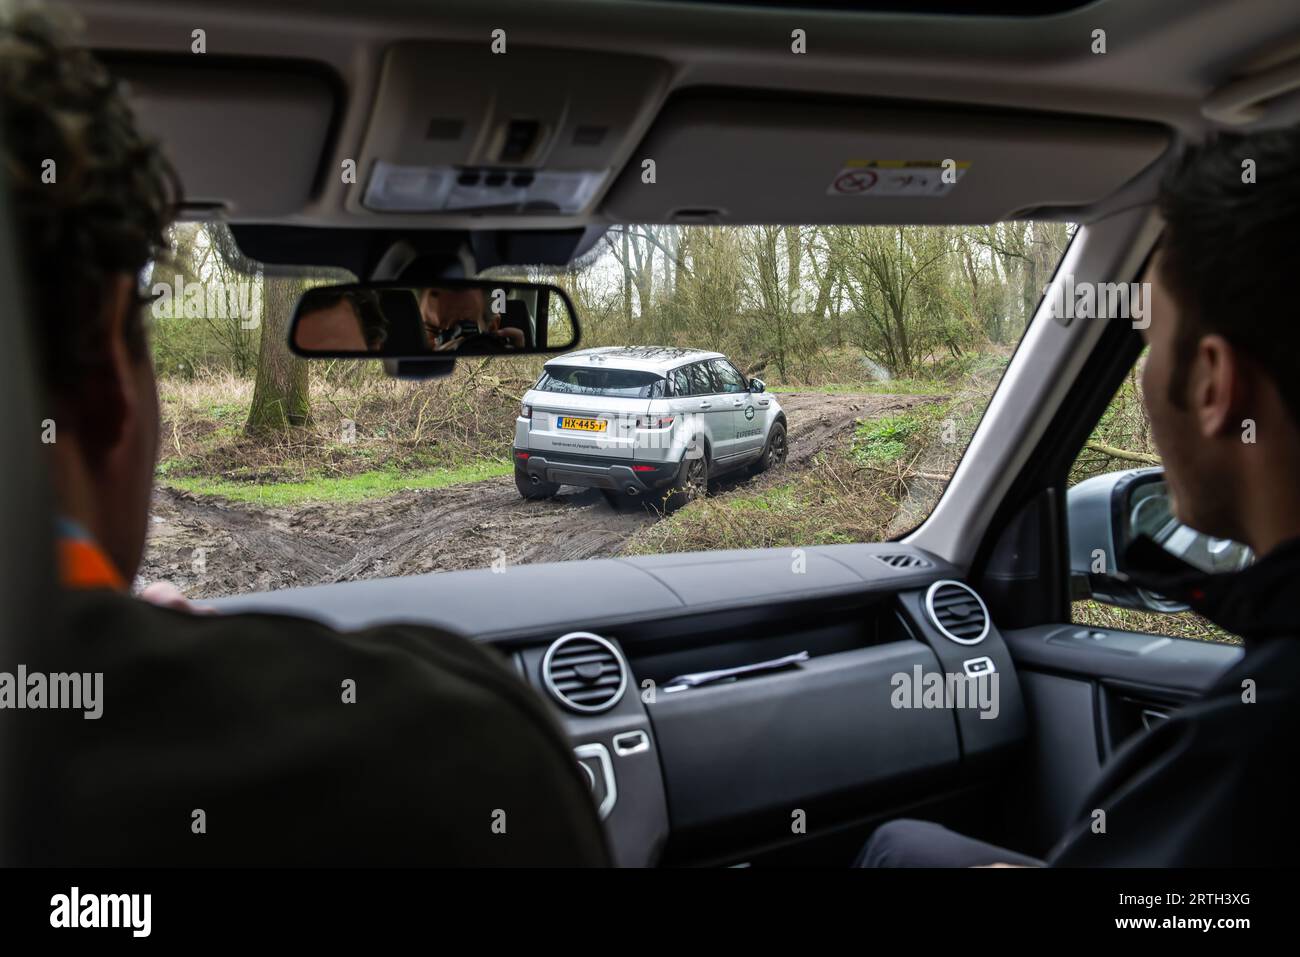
(408, 140)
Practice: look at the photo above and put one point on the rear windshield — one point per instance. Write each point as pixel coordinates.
(584, 380)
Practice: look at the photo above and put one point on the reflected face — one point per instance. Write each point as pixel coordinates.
(442, 310)
(429, 314)
(458, 306)
(336, 328)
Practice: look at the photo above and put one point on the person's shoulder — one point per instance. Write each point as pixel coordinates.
(286, 719)
(121, 631)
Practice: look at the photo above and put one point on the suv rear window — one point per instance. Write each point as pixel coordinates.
(583, 380)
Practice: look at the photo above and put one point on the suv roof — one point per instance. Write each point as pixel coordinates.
(648, 358)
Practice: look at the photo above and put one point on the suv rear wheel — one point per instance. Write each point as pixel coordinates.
(539, 489)
(693, 480)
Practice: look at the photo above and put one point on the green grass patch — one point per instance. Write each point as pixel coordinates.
(353, 488)
(887, 439)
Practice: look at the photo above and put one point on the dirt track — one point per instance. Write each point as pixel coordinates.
(210, 547)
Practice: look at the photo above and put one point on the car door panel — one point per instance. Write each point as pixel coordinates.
(746, 422)
(1090, 690)
(714, 411)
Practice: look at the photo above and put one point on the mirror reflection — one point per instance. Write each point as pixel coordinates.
(461, 318)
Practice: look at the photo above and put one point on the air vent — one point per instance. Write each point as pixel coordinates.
(957, 612)
(584, 672)
(904, 560)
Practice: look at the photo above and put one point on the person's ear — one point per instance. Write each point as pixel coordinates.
(1218, 386)
(107, 399)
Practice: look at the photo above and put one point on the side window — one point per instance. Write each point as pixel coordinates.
(701, 382)
(1119, 447)
(681, 382)
(728, 377)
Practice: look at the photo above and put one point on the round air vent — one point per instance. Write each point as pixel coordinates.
(958, 613)
(584, 672)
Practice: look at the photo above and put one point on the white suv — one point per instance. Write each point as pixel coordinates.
(643, 419)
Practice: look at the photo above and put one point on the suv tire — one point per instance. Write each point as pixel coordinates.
(774, 452)
(692, 480)
(530, 490)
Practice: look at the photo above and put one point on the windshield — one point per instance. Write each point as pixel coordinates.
(875, 349)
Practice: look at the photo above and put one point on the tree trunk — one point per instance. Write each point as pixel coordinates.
(627, 282)
(280, 396)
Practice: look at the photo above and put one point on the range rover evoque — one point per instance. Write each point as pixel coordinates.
(644, 420)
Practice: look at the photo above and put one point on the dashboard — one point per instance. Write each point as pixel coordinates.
(718, 702)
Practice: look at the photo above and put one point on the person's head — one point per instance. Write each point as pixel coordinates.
(1221, 380)
(91, 198)
(331, 326)
(462, 307)
(350, 321)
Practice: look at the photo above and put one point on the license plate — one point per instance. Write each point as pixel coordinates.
(580, 425)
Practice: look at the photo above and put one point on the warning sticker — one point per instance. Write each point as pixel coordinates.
(892, 178)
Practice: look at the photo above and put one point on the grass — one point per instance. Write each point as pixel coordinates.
(831, 502)
(362, 424)
(351, 488)
(887, 439)
(1184, 624)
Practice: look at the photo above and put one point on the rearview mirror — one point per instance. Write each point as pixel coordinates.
(1107, 512)
(463, 317)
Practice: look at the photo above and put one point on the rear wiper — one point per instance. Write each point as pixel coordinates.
(682, 682)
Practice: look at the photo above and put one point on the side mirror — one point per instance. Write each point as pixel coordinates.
(757, 385)
(1107, 512)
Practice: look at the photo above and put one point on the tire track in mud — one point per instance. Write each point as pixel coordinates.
(210, 547)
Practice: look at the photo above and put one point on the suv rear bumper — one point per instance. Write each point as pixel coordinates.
(589, 471)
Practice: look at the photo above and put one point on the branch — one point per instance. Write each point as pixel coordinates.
(1146, 458)
(905, 473)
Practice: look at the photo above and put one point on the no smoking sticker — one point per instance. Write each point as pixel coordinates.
(893, 178)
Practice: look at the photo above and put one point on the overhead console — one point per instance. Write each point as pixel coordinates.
(496, 129)
(816, 160)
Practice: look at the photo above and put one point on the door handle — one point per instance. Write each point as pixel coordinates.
(706, 405)
(738, 404)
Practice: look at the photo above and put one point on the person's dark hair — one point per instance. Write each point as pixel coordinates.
(91, 196)
(374, 324)
(1230, 254)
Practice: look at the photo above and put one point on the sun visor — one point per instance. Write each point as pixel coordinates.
(247, 138)
(715, 157)
(484, 128)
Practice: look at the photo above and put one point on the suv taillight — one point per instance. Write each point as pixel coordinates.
(525, 410)
(654, 421)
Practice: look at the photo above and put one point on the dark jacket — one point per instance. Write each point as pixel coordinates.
(1215, 784)
(446, 757)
